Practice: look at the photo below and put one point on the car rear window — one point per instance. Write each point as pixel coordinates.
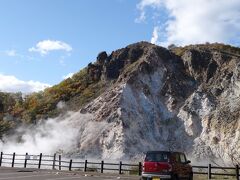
(156, 157)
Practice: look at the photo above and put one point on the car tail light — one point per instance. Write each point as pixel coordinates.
(169, 167)
(144, 167)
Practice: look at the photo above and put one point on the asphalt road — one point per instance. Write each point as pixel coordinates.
(28, 174)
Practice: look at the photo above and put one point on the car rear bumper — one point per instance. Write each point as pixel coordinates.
(158, 175)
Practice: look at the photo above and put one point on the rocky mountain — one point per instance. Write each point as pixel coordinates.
(163, 99)
(145, 97)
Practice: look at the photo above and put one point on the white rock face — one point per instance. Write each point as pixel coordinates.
(159, 106)
(152, 125)
(155, 111)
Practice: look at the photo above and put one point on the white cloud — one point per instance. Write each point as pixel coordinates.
(45, 46)
(197, 21)
(143, 4)
(11, 52)
(12, 84)
(15, 53)
(69, 75)
(141, 18)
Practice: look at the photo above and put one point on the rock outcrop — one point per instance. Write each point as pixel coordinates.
(160, 100)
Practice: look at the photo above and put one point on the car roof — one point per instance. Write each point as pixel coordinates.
(167, 152)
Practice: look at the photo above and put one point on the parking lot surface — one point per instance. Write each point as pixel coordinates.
(29, 174)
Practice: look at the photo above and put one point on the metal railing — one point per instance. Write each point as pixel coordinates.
(57, 162)
(41, 161)
(211, 171)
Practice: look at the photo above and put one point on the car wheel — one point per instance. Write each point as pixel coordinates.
(174, 177)
(190, 176)
(143, 178)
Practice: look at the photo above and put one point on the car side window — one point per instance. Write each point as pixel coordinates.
(177, 158)
(182, 158)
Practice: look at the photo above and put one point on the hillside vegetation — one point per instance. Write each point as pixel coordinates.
(75, 92)
(215, 46)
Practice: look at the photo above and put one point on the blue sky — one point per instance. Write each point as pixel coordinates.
(87, 26)
(42, 41)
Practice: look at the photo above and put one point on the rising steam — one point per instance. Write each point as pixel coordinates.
(48, 136)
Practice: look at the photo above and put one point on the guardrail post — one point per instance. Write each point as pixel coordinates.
(54, 160)
(140, 169)
(70, 165)
(60, 158)
(1, 158)
(120, 167)
(237, 172)
(102, 164)
(85, 166)
(13, 159)
(40, 161)
(209, 172)
(25, 162)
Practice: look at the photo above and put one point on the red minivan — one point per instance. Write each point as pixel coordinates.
(166, 165)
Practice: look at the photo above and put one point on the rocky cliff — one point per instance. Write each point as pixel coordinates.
(145, 97)
(166, 100)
